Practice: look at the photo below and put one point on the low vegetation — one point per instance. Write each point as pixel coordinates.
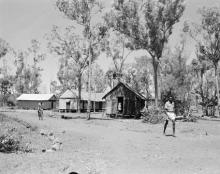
(18, 136)
(153, 116)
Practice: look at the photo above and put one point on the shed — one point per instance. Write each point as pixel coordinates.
(68, 101)
(30, 101)
(122, 100)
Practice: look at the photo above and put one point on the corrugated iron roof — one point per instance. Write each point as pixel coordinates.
(68, 94)
(36, 97)
(129, 88)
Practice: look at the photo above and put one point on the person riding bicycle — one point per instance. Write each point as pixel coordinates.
(170, 115)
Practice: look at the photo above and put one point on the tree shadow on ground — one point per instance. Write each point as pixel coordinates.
(83, 118)
(210, 119)
(170, 135)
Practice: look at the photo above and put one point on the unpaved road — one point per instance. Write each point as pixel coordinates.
(119, 147)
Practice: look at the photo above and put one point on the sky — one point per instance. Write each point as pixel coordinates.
(23, 20)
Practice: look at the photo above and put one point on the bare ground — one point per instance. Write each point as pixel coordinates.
(115, 146)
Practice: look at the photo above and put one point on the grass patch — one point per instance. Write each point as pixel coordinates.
(15, 135)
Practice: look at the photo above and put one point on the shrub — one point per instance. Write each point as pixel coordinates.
(153, 116)
(188, 117)
(9, 144)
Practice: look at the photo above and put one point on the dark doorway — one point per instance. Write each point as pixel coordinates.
(120, 105)
(68, 106)
(52, 105)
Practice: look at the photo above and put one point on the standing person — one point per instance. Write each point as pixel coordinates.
(169, 107)
(40, 111)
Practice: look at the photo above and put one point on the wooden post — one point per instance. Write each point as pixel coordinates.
(94, 106)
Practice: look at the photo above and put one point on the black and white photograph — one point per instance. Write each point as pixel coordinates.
(109, 86)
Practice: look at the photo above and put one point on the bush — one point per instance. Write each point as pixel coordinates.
(188, 117)
(8, 144)
(153, 116)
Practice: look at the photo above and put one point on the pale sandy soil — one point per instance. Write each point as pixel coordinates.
(118, 146)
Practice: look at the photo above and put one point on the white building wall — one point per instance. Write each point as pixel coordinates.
(73, 103)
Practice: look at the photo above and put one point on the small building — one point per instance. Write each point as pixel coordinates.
(30, 101)
(68, 101)
(122, 100)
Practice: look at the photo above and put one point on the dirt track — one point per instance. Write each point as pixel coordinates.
(119, 147)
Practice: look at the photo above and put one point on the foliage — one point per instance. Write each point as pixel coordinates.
(56, 89)
(11, 142)
(206, 34)
(66, 75)
(82, 12)
(131, 78)
(116, 48)
(176, 77)
(138, 75)
(180, 106)
(109, 78)
(11, 100)
(153, 115)
(189, 117)
(97, 79)
(28, 77)
(37, 57)
(207, 92)
(5, 89)
(74, 51)
(8, 144)
(4, 48)
(209, 46)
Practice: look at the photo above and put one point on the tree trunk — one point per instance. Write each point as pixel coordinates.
(217, 88)
(155, 67)
(79, 92)
(89, 99)
(204, 108)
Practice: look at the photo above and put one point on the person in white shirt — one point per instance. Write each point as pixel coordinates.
(169, 107)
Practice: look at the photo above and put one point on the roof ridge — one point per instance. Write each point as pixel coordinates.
(127, 86)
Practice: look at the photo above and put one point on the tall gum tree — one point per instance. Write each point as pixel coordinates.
(148, 24)
(116, 48)
(75, 52)
(28, 70)
(84, 13)
(37, 56)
